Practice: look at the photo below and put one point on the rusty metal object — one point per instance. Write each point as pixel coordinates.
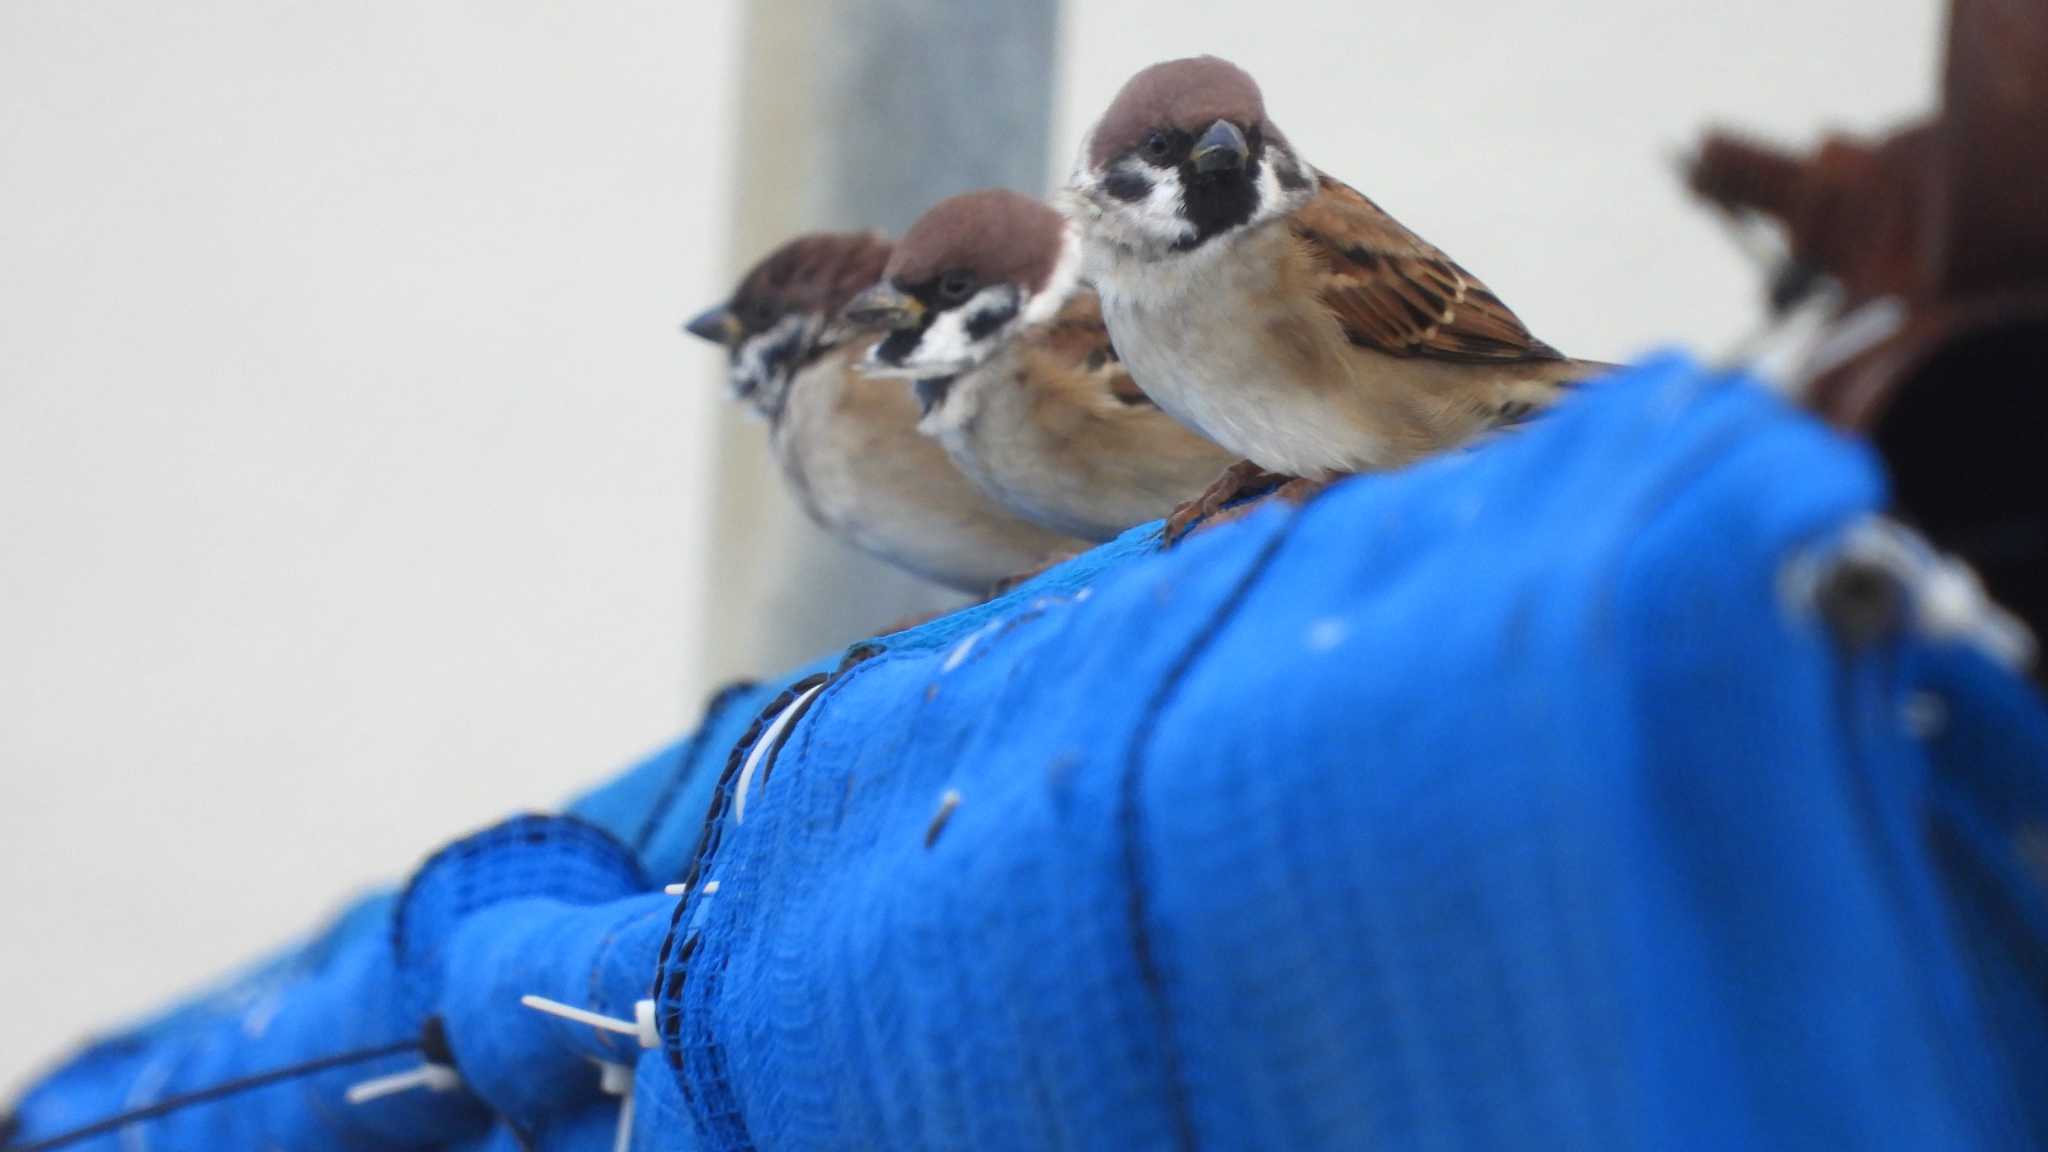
(1854, 208)
(1949, 216)
(1990, 215)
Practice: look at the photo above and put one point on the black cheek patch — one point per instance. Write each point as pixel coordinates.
(982, 323)
(781, 353)
(1129, 187)
(1289, 175)
(898, 345)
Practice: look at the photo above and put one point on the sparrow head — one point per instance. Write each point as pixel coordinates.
(964, 279)
(1184, 155)
(776, 321)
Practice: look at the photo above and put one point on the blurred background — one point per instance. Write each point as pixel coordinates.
(356, 488)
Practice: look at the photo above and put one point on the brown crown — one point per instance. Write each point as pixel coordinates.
(1188, 94)
(1002, 237)
(816, 272)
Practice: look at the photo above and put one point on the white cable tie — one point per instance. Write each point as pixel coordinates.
(614, 1079)
(1868, 325)
(617, 1080)
(676, 889)
(709, 887)
(1944, 595)
(432, 1077)
(623, 1142)
(640, 1027)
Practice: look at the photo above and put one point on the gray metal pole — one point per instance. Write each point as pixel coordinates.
(856, 114)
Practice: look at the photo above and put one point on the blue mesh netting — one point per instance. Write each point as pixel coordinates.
(1512, 800)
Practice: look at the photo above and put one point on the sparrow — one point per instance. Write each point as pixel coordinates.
(1277, 309)
(986, 312)
(849, 445)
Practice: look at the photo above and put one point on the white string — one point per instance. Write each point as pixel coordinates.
(760, 752)
(962, 650)
(135, 1137)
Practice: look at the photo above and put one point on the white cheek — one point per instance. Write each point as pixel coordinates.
(755, 368)
(949, 340)
(1160, 211)
(1270, 198)
(1144, 225)
(945, 343)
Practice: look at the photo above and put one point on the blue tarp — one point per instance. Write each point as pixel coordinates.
(1521, 798)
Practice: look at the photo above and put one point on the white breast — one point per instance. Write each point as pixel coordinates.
(1190, 327)
(852, 452)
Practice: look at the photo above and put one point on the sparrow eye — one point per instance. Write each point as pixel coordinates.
(761, 314)
(956, 286)
(1157, 148)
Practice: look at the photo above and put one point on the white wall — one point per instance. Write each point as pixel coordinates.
(351, 467)
(1532, 139)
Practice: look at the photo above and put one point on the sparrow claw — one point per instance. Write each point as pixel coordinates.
(1295, 492)
(1299, 491)
(1240, 479)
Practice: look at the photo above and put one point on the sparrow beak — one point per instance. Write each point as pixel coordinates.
(715, 324)
(884, 306)
(1221, 149)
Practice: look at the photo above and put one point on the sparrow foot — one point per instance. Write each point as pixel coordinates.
(1296, 492)
(1240, 479)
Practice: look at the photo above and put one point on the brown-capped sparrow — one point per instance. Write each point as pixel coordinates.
(849, 445)
(1277, 309)
(987, 314)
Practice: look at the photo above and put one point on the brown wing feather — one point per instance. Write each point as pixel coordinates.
(1079, 339)
(1395, 293)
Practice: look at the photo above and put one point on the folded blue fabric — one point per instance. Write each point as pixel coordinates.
(1522, 798)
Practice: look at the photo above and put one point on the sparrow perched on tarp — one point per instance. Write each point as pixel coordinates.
(986, 312)
(1276, 309)
(849, 445)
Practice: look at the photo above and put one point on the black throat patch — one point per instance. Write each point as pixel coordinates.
(1216, 204)
(931, 393)
(897, 346)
